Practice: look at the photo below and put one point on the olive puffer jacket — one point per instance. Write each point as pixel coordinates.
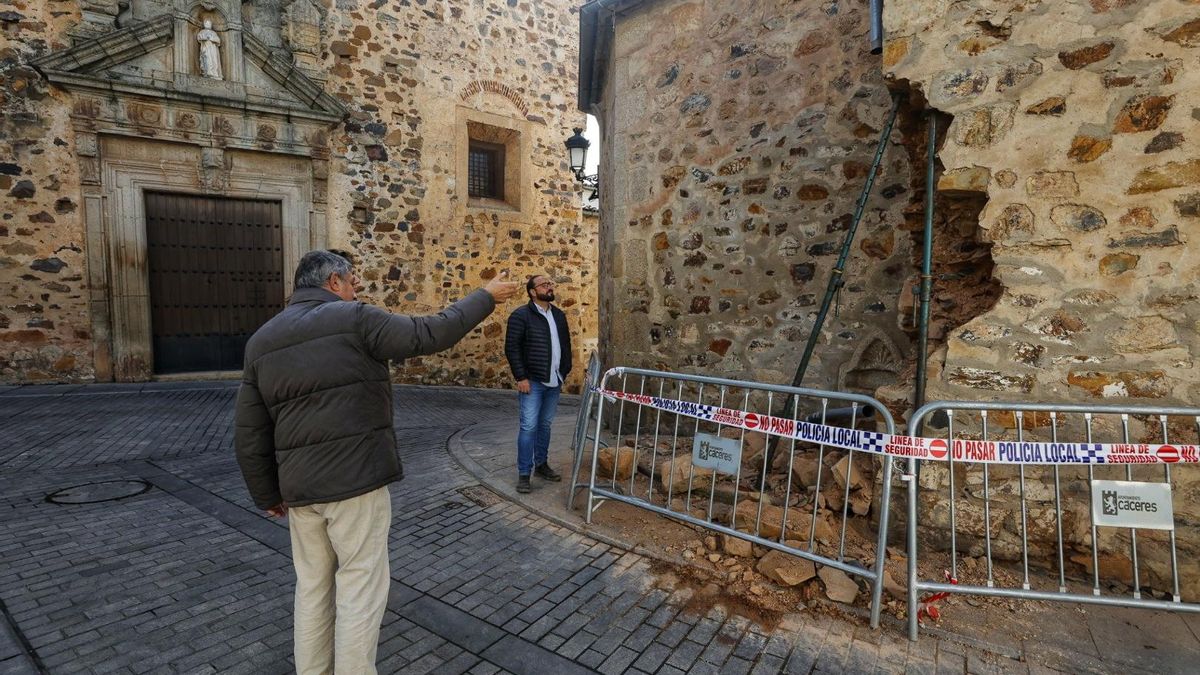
(314, 412)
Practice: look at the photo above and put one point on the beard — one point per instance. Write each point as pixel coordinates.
(548, 296)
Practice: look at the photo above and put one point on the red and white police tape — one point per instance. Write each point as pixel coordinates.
(961, 450)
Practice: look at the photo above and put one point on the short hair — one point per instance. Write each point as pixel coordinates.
(529, 284)
(344, 253)
(316, 267)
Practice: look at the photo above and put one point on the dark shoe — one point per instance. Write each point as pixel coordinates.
(544, 471)
(523, 484)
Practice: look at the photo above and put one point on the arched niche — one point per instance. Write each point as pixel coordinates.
(226, 21)
(876, 363)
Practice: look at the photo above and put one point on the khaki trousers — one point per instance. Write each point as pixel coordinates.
(340, 551)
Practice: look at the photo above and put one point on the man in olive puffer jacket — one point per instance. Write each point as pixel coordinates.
(314, 439)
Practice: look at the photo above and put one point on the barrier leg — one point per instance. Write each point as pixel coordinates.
(912, 549)
(881, 543)
(595, 458)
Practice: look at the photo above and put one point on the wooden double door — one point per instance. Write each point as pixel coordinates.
(216, 276)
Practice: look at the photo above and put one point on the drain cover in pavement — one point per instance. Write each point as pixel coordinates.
(103, 491)
(481, 495)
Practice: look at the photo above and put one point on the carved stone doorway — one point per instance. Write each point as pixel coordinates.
(133, 171)
(216, 276)
(146, 122)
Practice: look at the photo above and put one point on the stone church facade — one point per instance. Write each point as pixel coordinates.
(169, 161)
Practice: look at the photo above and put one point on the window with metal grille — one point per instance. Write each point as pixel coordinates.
(485, 170)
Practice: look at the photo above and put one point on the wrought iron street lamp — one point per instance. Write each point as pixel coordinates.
(577, 148)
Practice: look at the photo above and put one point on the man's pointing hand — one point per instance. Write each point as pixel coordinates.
(502, 290)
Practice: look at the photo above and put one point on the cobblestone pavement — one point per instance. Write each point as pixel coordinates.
(187, 576)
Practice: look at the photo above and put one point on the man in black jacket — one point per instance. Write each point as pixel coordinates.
(538, 348)
(315, 442)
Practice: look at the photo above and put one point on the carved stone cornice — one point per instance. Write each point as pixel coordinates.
(83, 67)
(289, 76)
(111, 48)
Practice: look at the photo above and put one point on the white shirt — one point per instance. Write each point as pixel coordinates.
(555, 348)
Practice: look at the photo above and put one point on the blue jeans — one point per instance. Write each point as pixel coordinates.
(537, 412)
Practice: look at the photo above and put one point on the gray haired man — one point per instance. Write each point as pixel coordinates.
(315, 441)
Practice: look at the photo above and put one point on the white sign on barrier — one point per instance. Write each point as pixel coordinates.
(1122, 503)
(723, 455)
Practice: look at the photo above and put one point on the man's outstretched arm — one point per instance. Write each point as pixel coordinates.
(397, 337)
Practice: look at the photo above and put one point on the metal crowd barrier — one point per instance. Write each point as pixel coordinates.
(969, 493)
(580, 438)
(702, 407)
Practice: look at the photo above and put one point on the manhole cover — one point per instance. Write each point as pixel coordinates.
(481, 495)
(103, 491)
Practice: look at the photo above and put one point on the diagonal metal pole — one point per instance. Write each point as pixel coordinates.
(836, 278)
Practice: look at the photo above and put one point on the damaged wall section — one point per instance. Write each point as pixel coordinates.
(961, 266)
(1085, 150)
(1077, 121)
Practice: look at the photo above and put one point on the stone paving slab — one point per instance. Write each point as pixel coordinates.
(190, 577)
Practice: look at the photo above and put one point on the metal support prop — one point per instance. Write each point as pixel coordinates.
(876, 33)
(926, 264)
(836, 278)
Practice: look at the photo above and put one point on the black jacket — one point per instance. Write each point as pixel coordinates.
(527, 343)
(314, 413)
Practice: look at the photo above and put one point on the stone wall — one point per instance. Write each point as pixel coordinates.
(1075, 124)
(738, 136)
(419, 80)
(413, 77)
(45, 326)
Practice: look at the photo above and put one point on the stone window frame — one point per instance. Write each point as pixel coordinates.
(515, 136)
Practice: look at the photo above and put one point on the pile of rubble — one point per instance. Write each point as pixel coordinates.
(783, 506)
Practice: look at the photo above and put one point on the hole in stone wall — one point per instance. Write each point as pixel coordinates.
(962, 265)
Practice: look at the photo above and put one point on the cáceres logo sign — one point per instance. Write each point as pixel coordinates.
(723, 455)
(1118, 503)
(1108, 503)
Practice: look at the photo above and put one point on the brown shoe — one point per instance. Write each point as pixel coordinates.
(545, 472)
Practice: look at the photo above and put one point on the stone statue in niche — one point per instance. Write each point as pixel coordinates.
(210, 52)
